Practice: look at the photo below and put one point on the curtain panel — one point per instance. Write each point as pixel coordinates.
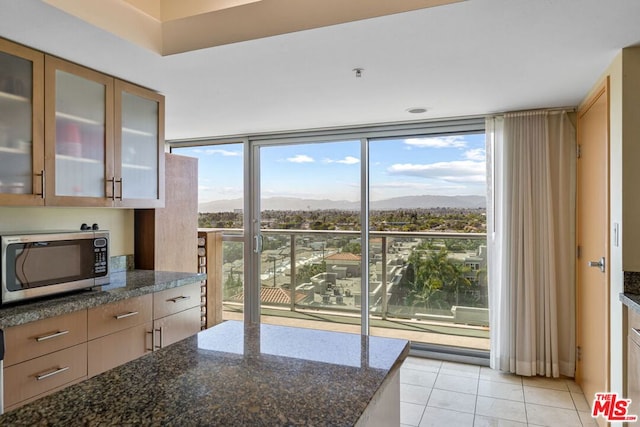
(531, 165)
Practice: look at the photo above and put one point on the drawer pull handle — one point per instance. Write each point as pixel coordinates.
(180, 298)
(125, 315)
(54, 335)
(52, 373)
(161, 332)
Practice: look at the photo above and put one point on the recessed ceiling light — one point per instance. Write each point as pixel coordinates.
(416, 110)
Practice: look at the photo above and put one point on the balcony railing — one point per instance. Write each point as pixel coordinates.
(428, 281)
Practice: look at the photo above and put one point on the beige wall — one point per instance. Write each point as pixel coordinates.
(119, 222)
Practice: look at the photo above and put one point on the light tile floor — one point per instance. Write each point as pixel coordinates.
(436, 393)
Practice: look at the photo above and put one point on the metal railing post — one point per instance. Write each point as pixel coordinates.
(384, 277)
(292, 285)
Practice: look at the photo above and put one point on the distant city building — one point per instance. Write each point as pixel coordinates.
(270, 295)
(344, 264)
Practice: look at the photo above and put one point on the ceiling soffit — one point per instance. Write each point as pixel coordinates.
(169, 27)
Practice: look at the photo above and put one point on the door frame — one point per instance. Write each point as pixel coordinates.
(602, 90)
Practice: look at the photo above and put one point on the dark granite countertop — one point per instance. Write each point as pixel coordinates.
(123, 285)
(631, 300)
(231, 375)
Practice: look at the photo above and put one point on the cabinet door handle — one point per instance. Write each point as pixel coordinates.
(153, 340)
(57, 371)
(54, 335)
(160, 330)
(180, 298)
(125, 315)
(114, 186)
(42, 183)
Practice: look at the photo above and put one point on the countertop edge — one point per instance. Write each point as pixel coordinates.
(631, 300)
(154, 281)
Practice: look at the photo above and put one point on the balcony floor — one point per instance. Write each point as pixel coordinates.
(419, 331)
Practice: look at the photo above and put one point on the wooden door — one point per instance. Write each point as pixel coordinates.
(592, 222)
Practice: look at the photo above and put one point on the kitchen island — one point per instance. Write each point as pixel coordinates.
(239, 375)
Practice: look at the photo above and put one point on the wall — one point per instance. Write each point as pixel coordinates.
(119, 222)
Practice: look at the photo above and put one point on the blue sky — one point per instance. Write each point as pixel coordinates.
(444, 165)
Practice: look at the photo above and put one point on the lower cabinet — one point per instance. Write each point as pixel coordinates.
(175, 327)
(118, 348)
(47, 355)
(119, 332)
(44, 356)
(43, 375)
(176, 314)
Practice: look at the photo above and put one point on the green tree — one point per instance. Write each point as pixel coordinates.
(305, 272)
(438, 280)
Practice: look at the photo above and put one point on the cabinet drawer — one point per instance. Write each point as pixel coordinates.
(174, 300)
(176, 327)
(44, 374)
(45, 336)
(634, 325)
(116, 349)
(120, 315)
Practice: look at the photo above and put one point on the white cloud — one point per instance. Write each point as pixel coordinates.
(454, 141)
(455, 171)
(477, 154)
(348, 160)
(300, 158)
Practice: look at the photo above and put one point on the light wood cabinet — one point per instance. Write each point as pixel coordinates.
(118, 348)
(139, 147)
(166, 238)
(45, 336)
(78, 135)
(633, 361)
(72, 136)
(117, 316)
(176, 327)
(47, 355)
(21, 125)
(43, 356)
(119, 332)
(45, 374)
(104, 139)
(176, 314)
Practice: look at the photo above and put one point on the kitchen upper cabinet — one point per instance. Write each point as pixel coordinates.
(21, 125)
(79, 156)
(72, 136)
(139, 146)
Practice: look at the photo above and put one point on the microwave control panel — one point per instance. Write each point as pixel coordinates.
(100, 252)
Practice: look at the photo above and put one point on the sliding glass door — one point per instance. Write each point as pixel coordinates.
(375, 230)
(308, 205)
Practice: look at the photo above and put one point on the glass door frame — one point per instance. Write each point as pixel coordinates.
(253, 237)
(251, 174)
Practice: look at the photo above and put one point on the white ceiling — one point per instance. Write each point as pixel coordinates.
(470, 58)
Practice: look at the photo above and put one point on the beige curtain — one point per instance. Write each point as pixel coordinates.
(531, 216)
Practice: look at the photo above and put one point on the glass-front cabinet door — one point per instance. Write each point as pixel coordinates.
(79, 135)
(139, 146)
(21, 125)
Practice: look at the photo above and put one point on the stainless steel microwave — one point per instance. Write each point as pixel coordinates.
(37, 264)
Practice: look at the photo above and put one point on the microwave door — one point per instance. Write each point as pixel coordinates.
(45, 263)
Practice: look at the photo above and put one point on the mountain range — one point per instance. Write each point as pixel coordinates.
(297, 204)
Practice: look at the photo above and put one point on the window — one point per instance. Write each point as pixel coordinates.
(420, 190)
